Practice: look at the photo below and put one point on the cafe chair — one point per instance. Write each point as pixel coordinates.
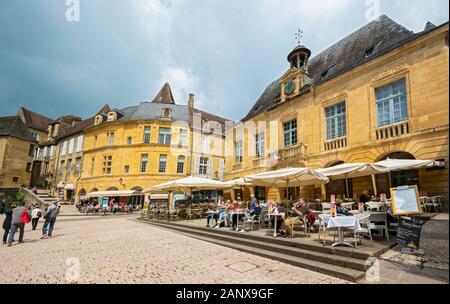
(378, 221)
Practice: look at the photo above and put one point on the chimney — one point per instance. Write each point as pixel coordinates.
(191, 101)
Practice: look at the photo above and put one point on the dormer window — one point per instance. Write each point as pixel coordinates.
(166, 113)
(112, 116)
(369, 52)
(98, 119)
(324, 74)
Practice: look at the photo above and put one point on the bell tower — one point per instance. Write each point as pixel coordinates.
(296, 77)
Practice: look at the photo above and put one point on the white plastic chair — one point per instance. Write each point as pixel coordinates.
(364, 222)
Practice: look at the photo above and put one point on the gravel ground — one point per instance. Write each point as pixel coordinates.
(122, 250)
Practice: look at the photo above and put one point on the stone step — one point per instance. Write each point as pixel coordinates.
(342, 251)
(334, 259)
(292, 256)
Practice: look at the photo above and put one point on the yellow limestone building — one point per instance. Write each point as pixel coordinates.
(380, 92)
(151, 143)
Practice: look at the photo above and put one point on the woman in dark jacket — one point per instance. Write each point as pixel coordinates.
(7, 222)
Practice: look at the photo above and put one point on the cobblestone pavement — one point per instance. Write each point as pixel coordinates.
(123, 250)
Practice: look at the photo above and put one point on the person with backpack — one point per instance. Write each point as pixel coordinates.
(50, 218)
(36, 214)
(20, 216)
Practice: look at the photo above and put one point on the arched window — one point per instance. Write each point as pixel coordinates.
(112, 189)
(82, 193)
(166, 113)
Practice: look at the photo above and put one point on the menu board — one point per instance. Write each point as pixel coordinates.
(408, 232)
(405, 200)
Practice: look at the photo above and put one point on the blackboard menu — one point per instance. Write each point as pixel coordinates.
(408, 232)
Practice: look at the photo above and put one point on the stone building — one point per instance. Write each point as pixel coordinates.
(45, 161)
(16, 153)
(69, 157)
(151, 143)
(380, 92)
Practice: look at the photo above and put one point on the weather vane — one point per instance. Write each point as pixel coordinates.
(299, 36)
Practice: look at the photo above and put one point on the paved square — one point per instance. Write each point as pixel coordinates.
(123, 250)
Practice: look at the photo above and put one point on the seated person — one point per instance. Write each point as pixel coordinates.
(365, 197)
(298, 211)
(210, 216)
(341, 210)
(256, 210)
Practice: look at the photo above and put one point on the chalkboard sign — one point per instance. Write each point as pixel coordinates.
(405, 200)
(408, 232)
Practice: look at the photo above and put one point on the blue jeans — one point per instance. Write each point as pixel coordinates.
(12, 231)
(47, 229)
(211, 216)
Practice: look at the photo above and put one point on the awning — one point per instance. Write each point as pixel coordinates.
(69, 187)
(161, 196)
(192, 183)
(61, 185)
(290, 177)
(113, 193)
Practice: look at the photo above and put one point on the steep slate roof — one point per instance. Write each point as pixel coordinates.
(152, 111)
(164, 95)
(35, 120)
(77, 128)
(383, 34)
(15, 127)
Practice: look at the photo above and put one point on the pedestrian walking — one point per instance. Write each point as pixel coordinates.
(36, 214)
(50, 218)
(8, 211)
(20, 216)
(2, 206)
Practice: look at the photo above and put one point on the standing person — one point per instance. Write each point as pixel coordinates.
(7, 222)
(36, 214)
(129, 208)
(20, 216)
(50, 218)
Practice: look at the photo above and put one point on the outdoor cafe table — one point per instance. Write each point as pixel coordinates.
(340, 222)
(237, 218)
(275, 224)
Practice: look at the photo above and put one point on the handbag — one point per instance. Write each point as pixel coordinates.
(25, 219)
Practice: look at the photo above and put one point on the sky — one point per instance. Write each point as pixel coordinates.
(57, 60)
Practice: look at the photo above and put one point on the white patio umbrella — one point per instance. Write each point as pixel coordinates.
(390, 165)
(238, 183)
(351, 170)
(290, 177)
(192, 183)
